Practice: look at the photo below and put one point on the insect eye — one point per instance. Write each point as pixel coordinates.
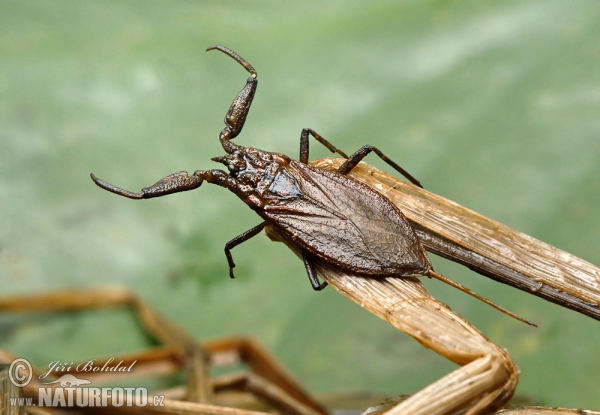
(236, 165)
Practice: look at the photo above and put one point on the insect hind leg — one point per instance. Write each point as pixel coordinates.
(355, 158)
(238, 240)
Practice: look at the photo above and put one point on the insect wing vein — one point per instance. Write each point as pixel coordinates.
(340, 217)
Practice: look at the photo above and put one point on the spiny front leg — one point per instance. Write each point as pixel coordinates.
(236, 116)
(173, 183)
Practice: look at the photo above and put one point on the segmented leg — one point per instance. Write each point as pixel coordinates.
(238, 240)
(312, 274)
(304, 145)
(173, 183)
(355, 158)
(236, 116)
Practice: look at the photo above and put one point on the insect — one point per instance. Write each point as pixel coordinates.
(331, 217)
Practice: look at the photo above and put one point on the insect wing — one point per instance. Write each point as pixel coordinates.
(344, 222)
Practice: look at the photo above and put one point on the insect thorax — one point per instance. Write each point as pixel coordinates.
(258, 176)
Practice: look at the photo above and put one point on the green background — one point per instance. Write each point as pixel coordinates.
(495, 105)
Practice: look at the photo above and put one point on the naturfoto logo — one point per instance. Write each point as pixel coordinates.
(72, 391)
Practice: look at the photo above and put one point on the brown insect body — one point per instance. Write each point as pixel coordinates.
(331, 217)
(347, 223)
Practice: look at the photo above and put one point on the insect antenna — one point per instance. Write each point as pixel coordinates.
(440, 277)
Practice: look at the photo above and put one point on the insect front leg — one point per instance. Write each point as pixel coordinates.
(304, 145)
(173, 183)
(236, 116)
(312, 273)
(238, 240)
(355, 158)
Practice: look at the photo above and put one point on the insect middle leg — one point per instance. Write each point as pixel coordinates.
(354, 159)
(238, 240)
(304, 144)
